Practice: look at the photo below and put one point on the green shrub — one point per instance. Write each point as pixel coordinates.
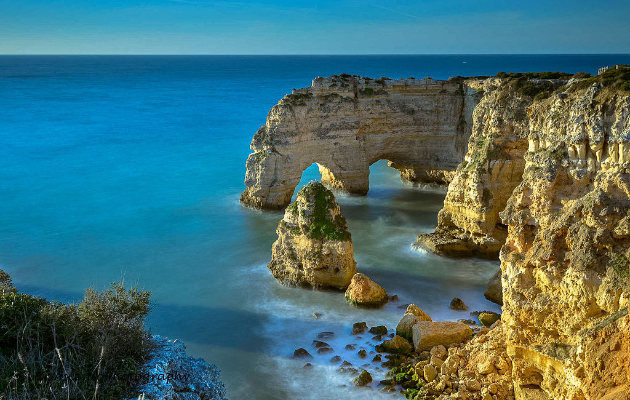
(56, 350)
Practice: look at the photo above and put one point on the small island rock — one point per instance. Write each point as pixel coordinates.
(314, 247)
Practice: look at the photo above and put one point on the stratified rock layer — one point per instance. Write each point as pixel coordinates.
(313, 247)
(347, 123)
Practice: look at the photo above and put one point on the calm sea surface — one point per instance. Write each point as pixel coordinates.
(131, 168)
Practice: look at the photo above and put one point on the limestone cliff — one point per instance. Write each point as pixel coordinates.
(313, 247)
(565, 261)
(469, 222)
(346, 123)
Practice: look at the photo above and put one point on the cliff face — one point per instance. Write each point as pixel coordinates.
(545, 180)
(565, 261)
(313, 247)
(346, 123)
(469, 222)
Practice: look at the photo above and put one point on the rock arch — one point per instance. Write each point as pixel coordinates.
(345, 124)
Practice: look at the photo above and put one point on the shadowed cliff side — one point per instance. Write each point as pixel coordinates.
(346, 123)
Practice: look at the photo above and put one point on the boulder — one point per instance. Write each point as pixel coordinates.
(494, 292)
(359, 327)
(412, 315)
(397, 345)
(378, 330)
(365, 292)
(314, 247)
(487, 318)
(417, 311)
(429, 372)
(428, 334)
(363, 379)
(301, 353)
(458, 304)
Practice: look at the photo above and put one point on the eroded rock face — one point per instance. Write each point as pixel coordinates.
(314, 247)
(565, 259)
(346, 123)
(469, 222)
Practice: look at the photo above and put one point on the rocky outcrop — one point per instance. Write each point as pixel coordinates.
(171, 374)
(314, 247)
(365, 292)
(565, 261)
(469, 222)
(346, 123)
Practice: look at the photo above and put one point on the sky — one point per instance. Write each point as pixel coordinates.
(317, 27)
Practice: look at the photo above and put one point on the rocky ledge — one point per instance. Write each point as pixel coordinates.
(314, 247)
(172, 374)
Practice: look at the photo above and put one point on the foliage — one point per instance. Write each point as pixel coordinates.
(367, 91)
(620, 264)
(322, 225)
(535, 75)
(56, 350)
(616, 78)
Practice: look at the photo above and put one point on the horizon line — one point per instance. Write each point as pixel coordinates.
(316, 55)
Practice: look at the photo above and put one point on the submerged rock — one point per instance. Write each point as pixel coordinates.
(301, 353)
(314, 247)
(359, 327)
(458, 304)
(365, 292)
(363, 379)
(325, 335)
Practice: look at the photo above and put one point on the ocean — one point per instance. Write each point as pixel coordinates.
(131, 167)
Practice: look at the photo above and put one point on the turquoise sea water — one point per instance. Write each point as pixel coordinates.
(131, 167)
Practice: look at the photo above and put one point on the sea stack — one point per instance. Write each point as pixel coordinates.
(314, 247)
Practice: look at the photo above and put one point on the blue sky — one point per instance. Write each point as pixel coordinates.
(322, 27)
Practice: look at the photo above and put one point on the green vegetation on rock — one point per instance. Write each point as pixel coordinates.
(616, 78)
(320, 224)
(620, 265)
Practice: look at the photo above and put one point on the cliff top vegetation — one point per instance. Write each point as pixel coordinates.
(93, 349)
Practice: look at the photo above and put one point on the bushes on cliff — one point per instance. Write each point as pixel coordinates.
(55, 350)
(616, 78)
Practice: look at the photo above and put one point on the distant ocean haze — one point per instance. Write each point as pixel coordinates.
(131, 167)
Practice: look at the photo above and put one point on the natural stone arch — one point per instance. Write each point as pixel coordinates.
(345, 124)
